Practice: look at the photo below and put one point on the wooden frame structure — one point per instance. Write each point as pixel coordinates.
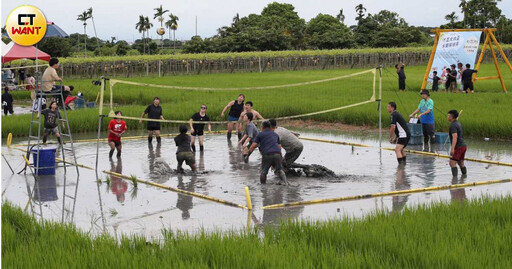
(488, 43)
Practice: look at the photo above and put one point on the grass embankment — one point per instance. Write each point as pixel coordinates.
(486, 113)
(474, 234)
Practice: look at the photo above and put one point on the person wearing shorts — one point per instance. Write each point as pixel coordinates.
(270, 147)
(426, 110)
(154, 111)
(467, 79)
(116, 128)
(458, 146)
(398, 133)
(197, 129)
(184, 152)
(235, 109)
(50, 121)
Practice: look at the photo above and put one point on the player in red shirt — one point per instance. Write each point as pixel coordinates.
(116, 128)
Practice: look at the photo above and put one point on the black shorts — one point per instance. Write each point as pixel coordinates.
(153, 126)
(468, 85)
(401, 84)
(116, 143)
(403, 141)
(197, 133)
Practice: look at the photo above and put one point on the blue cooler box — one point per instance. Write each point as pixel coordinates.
(415, 129)
(442, 137)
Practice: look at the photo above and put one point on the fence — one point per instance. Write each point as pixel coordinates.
(126, 69)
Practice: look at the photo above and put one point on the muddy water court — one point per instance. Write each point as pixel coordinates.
(101, 202)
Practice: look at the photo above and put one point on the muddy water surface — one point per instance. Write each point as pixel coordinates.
(115, 205)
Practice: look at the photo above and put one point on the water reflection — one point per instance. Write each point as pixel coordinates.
(427, 170)
(46, 189)
(401, 183)
(118, 186)
(273, 194)
(184, 202)
(458, 195)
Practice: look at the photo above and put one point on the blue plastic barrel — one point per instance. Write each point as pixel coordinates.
(46, 164)
(415, 129)
(442, 138)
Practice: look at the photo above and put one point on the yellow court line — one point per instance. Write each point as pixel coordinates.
(380, 194)
(198, 195)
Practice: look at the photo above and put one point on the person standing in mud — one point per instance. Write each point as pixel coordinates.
(235, 110)
(184, 152)
(270, 147)
(426, 110)
(290, 143)
(398, 133)
(458, 146)
(197, 129)
(248, 108)
(116, 128)
(154, 111)
(250, 133)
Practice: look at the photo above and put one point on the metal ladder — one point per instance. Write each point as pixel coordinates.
(34, 140)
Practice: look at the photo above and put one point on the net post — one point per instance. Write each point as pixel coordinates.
(380, 107)
(100, 118)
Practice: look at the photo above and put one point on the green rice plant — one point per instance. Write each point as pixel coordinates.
(479, 117)
(469, 234)
(113, 212)
(133, 179)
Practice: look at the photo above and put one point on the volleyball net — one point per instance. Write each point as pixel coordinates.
(321, 98)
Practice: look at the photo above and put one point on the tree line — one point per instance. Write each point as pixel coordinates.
(279, 27)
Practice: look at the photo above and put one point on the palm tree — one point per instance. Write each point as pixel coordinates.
(83, 18)
(174, 26)
(341, 16)
(464, 9)
(451, 18)
(236, 19)
(140, 26)
(147, 27)
(360, 9)
(160, 15)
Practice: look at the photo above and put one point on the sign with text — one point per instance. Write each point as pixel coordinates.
(453, 48)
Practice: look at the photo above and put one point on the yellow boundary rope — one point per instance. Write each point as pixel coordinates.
(448, 157)
(380, 194)
(112, 115)
(198, 195)
(115, 81)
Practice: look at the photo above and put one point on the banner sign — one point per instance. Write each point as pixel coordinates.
(453, 48)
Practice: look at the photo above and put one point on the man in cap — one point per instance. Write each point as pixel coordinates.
(426, 110)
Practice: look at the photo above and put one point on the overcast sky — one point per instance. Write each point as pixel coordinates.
(117, 18)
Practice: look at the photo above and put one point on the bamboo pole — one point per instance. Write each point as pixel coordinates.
(390, 193)
(481, 57)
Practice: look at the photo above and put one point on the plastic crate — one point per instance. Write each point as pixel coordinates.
(79, 103)
(91, 104)
(415, 129)
(441, 138)
(416, 140)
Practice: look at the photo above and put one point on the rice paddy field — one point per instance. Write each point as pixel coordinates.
(486, 113)
(99, 219)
